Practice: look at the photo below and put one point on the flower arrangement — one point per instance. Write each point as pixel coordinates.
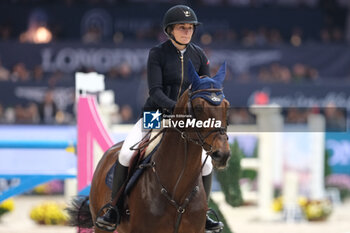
(317, 210)
(313, 210)
(6, 206)
(277, 204)
(49, 213)
(340, 182)
(53, 187)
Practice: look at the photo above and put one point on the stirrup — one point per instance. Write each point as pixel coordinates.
(105, 227)
(107, 206)
(211, 211)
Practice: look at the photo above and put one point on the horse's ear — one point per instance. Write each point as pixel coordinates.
(192, 74)
(220, 75)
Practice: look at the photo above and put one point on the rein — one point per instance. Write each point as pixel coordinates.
(200, 140)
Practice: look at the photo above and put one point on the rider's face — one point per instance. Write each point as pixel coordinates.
(183, 32)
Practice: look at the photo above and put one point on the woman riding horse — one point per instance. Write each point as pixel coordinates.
(169, 197)
(167, 80)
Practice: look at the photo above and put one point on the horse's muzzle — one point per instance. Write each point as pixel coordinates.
(220, 158)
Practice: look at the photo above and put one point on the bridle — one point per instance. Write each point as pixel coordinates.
(200, 139)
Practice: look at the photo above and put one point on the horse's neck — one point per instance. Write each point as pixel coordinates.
(171, 161)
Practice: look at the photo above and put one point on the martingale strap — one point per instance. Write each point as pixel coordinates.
(180, 208)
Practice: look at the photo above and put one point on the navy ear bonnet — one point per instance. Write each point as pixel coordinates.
(215, 98)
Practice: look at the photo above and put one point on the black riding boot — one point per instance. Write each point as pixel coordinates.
(210, 224)
(111, 218)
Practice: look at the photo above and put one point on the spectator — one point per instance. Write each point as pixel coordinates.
(337, 35)
(92, 35)
(280, 73)
(249, 38)
(264, 75)
(275, 69)
(261, 36)
(302, 73)
(9, 115)
(335, 118)
(240, 116)
(20, 73)
(54, 78)
(4, 73)
(38, 73)
(5, 32)
(32, 113)
(125, 71)
(299, 72)
(285, 74)
(296, 37)
(275, 37)
(325, 36)
(126, 114)
(48, 109)
(312, 74)
(113, 73)
(26, 115)
(295, 116)
(20, 114)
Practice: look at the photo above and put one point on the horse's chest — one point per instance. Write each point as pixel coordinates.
(157, 204)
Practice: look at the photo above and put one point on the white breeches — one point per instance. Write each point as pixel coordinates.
(136, 134)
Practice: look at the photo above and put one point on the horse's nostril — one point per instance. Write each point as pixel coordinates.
(216, 155)
(220, 159)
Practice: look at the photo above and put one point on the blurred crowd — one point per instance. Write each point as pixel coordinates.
(298, 73)
(47, 112)
(19, 73)
(334, 26)
(274, 73)
(335, 118)
(247, 37)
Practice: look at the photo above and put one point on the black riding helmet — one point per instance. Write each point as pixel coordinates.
(176, 15)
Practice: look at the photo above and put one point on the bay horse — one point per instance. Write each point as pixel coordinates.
(169, 196)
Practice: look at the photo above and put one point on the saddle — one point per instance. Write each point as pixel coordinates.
(139, 158)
